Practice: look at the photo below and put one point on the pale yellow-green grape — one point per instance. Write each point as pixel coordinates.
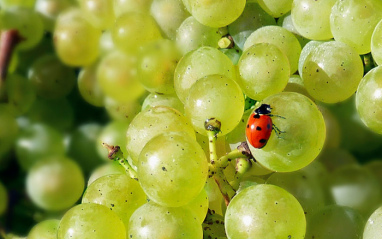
(263, 70)
(373, 228)
(302, 133)
(36, 142)
(222, 147)
(376, 43)
(169, 14)
(20, 93)
(118, 192)
(375, 167)
(191, 35)
(133, 30)
(117, 77)
(152, 122)
(89, 87)
(154, 99)
(108, 168)
(21, 3)
(281, 38)
(264, 211)
(363, 16)
(308, 48)
(197, 64)
(237, 135)
(296, 84)
(318, 172)
(332, 72)
(246, 182)
(252, 18)
(333, 130)
(91, 221)
(51, 78)
(82, 146)
(55, 183)
(215, 197)
(114, 133)
(369, 99)
(106, 43)
(199, 206)
(335, 222)
(216, 13)
(50, 9)
(304, 187)
(122, 111)
(46, 229)
(214, 97)
(26, 21)
(233, 54)
(172, 169)
(286, 22)
(355, 187)
(187, 5)
(100, 13)
(156, 66)
(276, 8)
(125, 6)
(155, 221)
(312, 18)
(3, 199)
(256, 170)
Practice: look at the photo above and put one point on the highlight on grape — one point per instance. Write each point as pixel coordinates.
(190, 119)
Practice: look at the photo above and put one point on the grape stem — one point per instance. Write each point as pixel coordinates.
(226, 42)
(116, 154)
(8, 42)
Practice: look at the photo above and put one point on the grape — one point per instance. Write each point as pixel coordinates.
(276, 8)
(199, 206)
(112, 134)
(152, 122)
(21, 3)
(308, 48)
(263, 71)
(122, 194)
(373, 225)
(3, 199)
(124, 6)
(106, 43)
(233, 54)
(20, 93)
(264, 211)
(227, 105)
(55, 183)
(45, 230)
(106, 169)
(91, 221)
(154, 99)
(99, 12)
(335, 158)
(170, 163)
(333, 131)
(237, 135)
(296, 84)
(89, 87)
(375, 167)
(215, 197)
(286, 22)
(363, 15)
(76, 40)
(8, 129)
(302, 137)
(50, 9)
(197, 64)
(154, 221)
(121, 111)
(376, 47)
(332, 72)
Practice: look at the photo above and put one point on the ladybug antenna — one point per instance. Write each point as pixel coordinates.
(264, 109)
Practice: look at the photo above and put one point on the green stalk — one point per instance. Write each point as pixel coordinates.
(116, 154)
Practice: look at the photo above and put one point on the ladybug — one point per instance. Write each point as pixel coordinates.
(260, 126)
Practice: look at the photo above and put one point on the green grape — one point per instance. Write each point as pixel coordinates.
(50, 9)
(117, 77)
(154, 99)
(332, 72)
(170, 163)
(227, 105)
(9, 129)
(263, 70)
(363, 15)
(276, 8)
(20, 93)
(27, 22)
(376, 46)
(91, 221)
(286, 22)
(233, 54)
(46, 229)
(281, 38)
(373, 225)
(75, 39)
(264, 211)
(312, 18)
(197, 64)
(253, 18)
(156, 66)
(122, 111)
(214, 195)
(119, 192)
(187, 5)
(256, 170)
(216, 13)
(302, 133)
(100, 13)
(38, 141)
(124, 6)
(106, 43)
(333, 130)
(296, 84)
(191, 35)
(21, 3)
(108, 168)
(169, 14)
(375, 167)
(114, 133)
(199, 206)
(89, 87)
(335, 222)
(308, 48)
(237, 135)
(3, 199)
(55, 183)
(133, 30)
(155, 221)
(318, 172)
(152, 122)
(50, 78)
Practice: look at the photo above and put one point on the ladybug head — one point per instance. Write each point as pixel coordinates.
(264, 109)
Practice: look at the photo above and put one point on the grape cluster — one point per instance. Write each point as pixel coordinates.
(130, 119)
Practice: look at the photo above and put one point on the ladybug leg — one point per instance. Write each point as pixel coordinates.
(271, 115)
(277, 131)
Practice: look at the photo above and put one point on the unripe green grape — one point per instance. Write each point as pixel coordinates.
(91, 221)
(100, 13)
(170, 163)
(3, 199)
(20, 92)
(215, 198)
(76, 40)
(334, 158)
(108, 168)
(106, 43)
(19, 3)
(333, 130)
(125, 6)
(114, 133)
(89, 87)
(375, 167)
(276, 8)
(264, 211)
(373, 226)
(286, 22)
(308, 48)
(376, 45)
(263, 70)
(237, 135)
(199, 206)
(154, 99)
(292, 149)
(296, 84)
(233, 54)
(49, 10)
(55, 183)
(9, 129)
(214, 97)
(122, 111)
(46, 229)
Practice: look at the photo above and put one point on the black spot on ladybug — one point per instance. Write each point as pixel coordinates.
(268, 126)
(256, 116)
(258, 128)
(262, 141)
(247, 125)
